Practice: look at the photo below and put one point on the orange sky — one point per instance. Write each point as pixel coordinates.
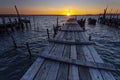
(58, 7)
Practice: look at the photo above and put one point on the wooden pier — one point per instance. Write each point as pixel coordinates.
(69, 56)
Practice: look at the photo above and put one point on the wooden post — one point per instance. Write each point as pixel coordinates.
(11, 25)
(84, 28)
(34, 21)
(19, 18)
(17, 13)
(14, 42)
(90, 38)
(48, 34)
(54, 31)
(26, 23)
(4, 23)
(28, 48)
(30, 22)
(57, 21)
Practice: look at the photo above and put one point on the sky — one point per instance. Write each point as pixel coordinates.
(59, 7)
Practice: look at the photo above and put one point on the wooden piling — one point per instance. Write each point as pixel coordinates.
(57, 21)
(14, 42)
(29, 51)
(11, 26)
(90, 38)
(4, 23)
(48, 34)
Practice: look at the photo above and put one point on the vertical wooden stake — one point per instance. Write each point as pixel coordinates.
(90, 38)
(57, 21)
(48, 34)
(11, 24)
(54, 31)
(14, 42)
(34, 21)
(28, 48)
(4, 23)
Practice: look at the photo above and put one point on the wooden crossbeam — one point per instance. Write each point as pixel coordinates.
(88, 64)
(72, 30)
(70, 42)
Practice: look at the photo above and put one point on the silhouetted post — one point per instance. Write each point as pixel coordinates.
(34, 21)
(75, 17)
(14, 42)
(26, 23)
(90, 38)
(19, 17)
(17, 13)
(11, 25)
(83, 28)
(29, 51)
(4, 23)
(54, 31)
(48, 34)
(57, 21)
(30, 22)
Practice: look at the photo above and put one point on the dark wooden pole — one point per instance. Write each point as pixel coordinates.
(48, 34)
(17, 13)
(57, 21)
(14, 42)
(90, 38)
(11, 25)
(29, 51)
(4, 23)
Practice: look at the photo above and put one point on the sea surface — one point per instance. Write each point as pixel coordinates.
(15, 62)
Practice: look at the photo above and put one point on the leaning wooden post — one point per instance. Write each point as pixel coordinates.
(19, 17)
(28, 48)
(14, 42)
(48, 34)
(4, 23)
(90, 38)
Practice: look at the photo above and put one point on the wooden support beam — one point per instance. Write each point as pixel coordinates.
(88, 64)
(72, 30)
(71, 42)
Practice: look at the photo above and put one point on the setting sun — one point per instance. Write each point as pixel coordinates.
(68, 14)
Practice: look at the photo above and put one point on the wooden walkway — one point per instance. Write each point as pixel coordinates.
(69, 61)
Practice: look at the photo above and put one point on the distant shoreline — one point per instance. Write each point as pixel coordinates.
(14, 15)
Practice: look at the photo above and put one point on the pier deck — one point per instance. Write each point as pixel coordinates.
(64, 46)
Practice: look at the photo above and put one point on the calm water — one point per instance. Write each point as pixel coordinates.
(13, 62)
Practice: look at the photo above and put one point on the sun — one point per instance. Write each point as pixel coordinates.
(68, 14)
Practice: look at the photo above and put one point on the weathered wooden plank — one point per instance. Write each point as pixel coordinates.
(95, 74)
(73, 71)
(83, 71)
(42, 73)
(71, 30)
(52, 73)
(96, 57)
(71, 42)
(94, 54)
(88, 64)
(63, 71)
(32, 71)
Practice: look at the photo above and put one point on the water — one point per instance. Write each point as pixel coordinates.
(13, 62)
